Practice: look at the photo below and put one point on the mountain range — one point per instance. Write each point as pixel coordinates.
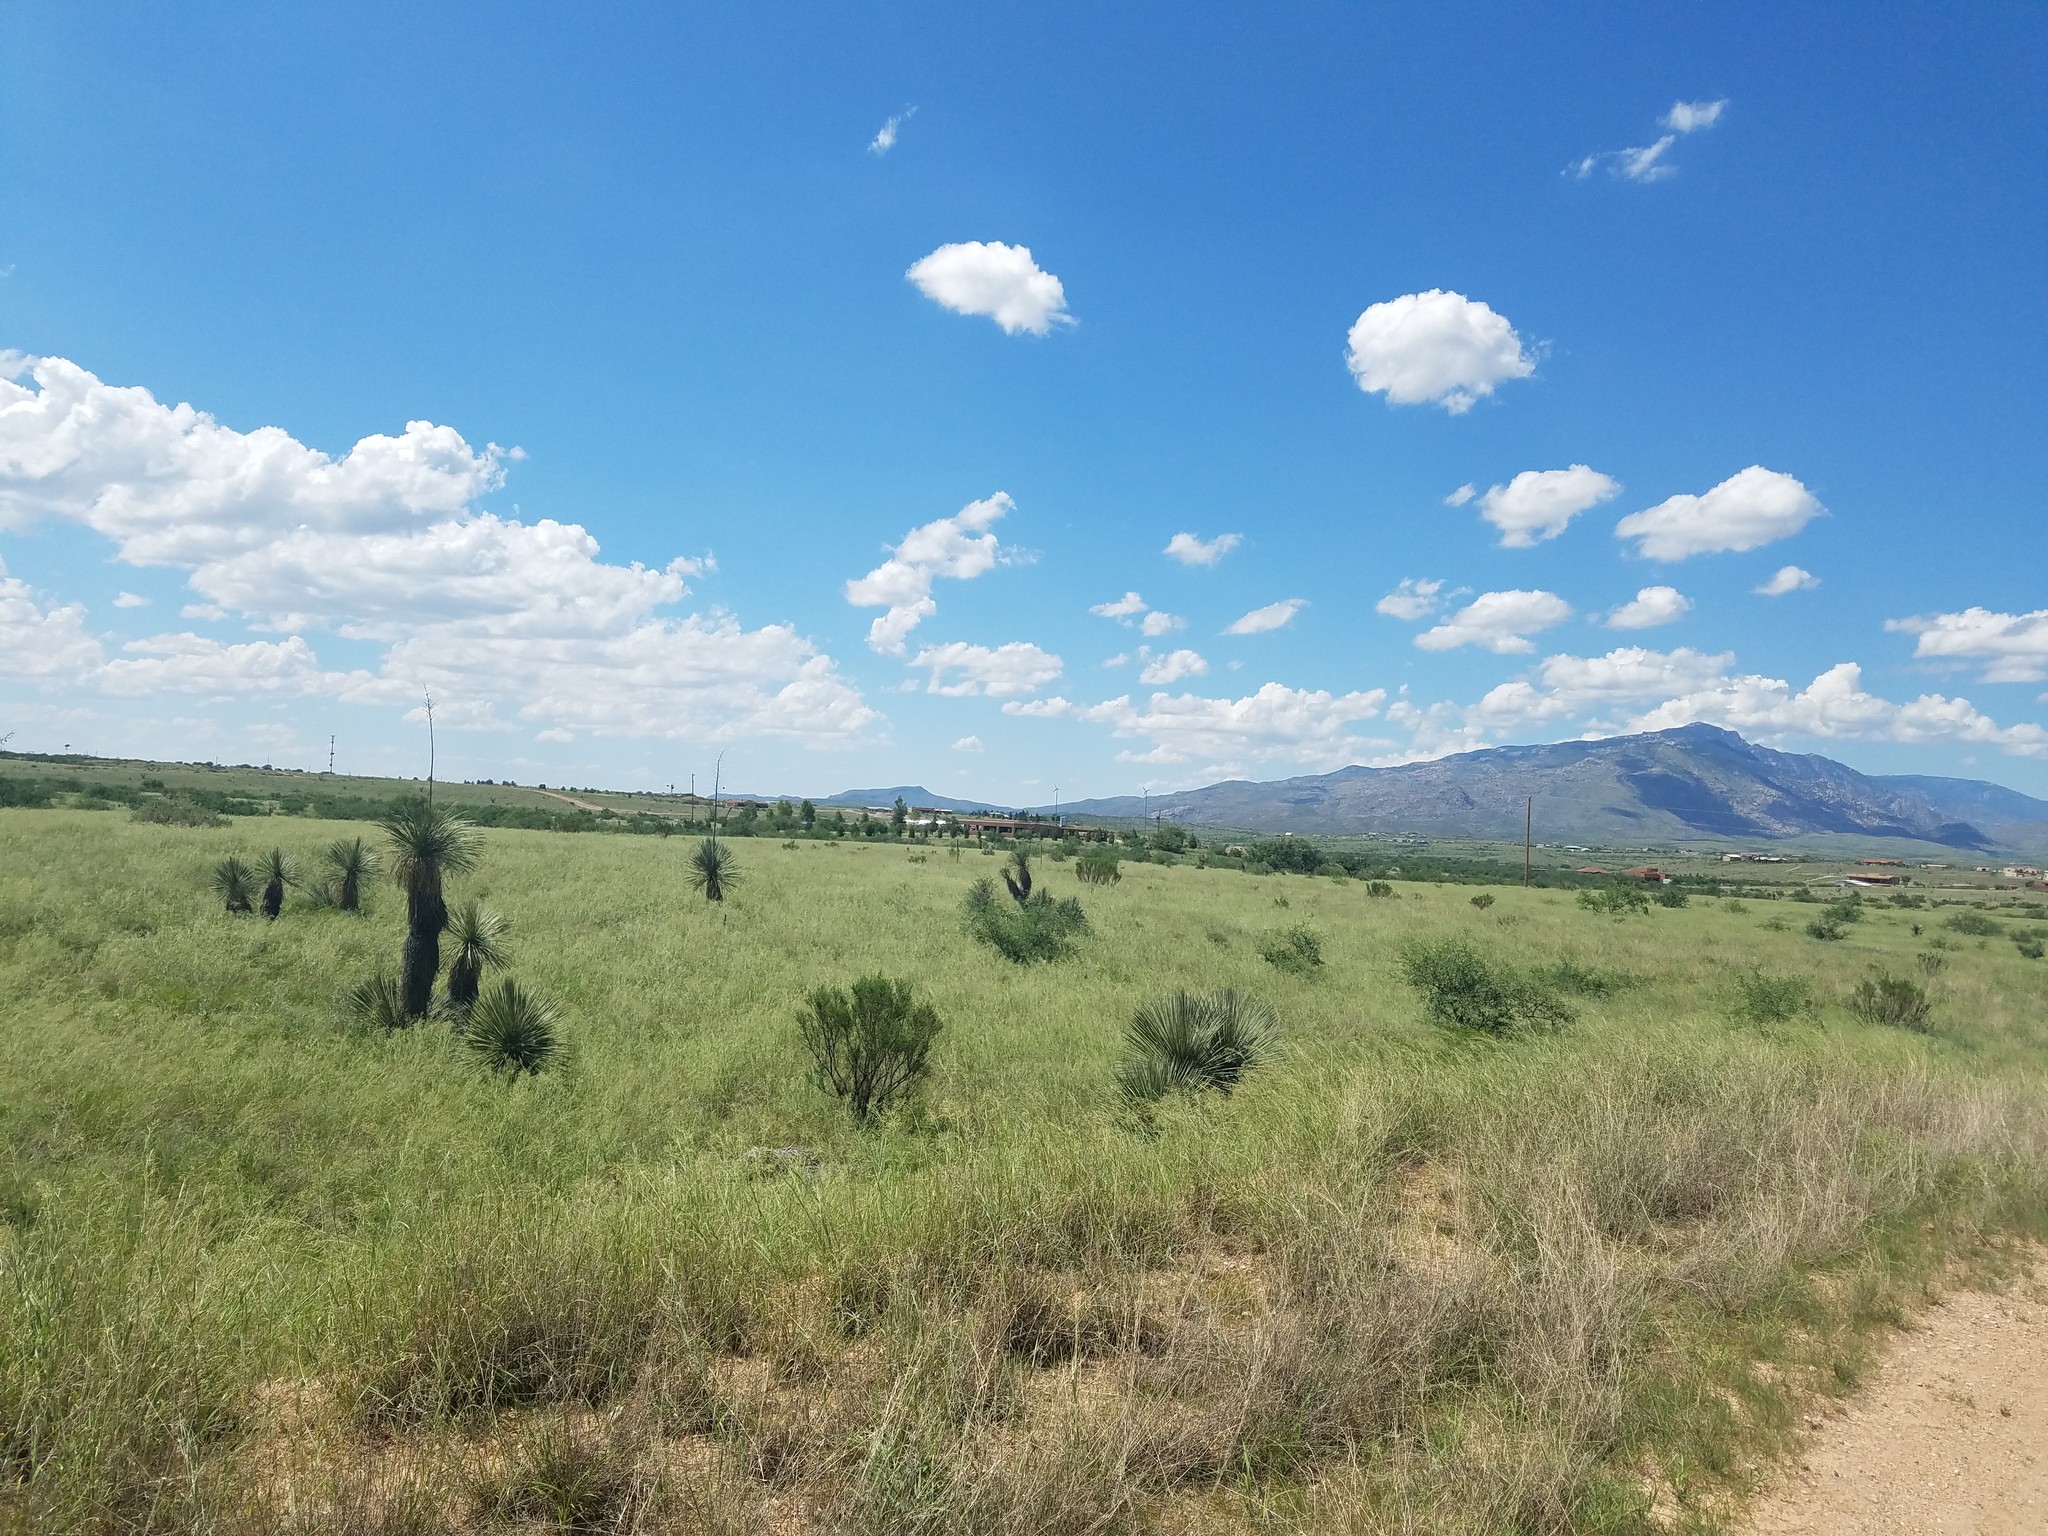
(1695, 783)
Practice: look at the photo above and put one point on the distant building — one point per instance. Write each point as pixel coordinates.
(1649, 875)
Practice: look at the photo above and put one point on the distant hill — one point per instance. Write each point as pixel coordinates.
(1696, 782)
(912, 794)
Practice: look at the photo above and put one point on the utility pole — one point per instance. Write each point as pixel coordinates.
(330, 756)
(430, 743)
(1528, 822)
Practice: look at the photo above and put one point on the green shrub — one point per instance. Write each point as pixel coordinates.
(1763, 998)
(1097, 869)
(175, 811)
(869, 1047)
(1294, 855)
(2030, 948)
(1038, 928)
(511, 1029)
(1296, 949)
(1932, 965)
(1848, 909)
(1483, 900)
(1378, 888)
(1735, 906)
(1192, 1043)
(1670, 896)
(1973, 925)
(1615, 900)
(1894, 1000)
(1569, 975)
(1463, 988)
(1827, 928)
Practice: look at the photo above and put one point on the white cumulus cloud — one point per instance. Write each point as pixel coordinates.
(1539, 504)
(968, 744)
(1188, 549)
(1124, 607)
(1690, 116)
(1754, 507)
(1172, 667)
(1438, 347)
(1414, 598)
(1498, 621)
(885, 137)
(1156, 623)
(2013, 646)
(130, 600)
(1649, 608)
(958, 548)
(1277, 723)
(990, 278)
(1273, 616)
(959, 670)
(1787, 578)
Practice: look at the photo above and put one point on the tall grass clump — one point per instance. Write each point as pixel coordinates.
(428, 842)
(235, 883)
(1464, 988)
(1192, 1042)
(1898, 1001)
(1038, 928)
(512, 1030)
(713, 868)
(869, 1046)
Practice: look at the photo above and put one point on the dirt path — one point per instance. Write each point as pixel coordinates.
(1949, 1433)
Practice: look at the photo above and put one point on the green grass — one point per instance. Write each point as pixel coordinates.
(263, 1268)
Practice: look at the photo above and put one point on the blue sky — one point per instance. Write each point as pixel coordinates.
(1293, 274)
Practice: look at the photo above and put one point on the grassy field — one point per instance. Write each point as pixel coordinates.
(264, 1270)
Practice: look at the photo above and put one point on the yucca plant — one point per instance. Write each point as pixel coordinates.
(379, 1003)
(278, 872)
(1190, 1042)
(712, 869)
(428, 843)
(235, 882)
(479, 936)
(352, 861)
(1017, 876)
(512, 1030)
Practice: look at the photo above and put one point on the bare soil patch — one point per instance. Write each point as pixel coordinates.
(1948, 1434)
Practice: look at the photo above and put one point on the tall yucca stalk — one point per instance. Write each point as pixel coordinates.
(428, 842)
(351, 859)
(479, 937)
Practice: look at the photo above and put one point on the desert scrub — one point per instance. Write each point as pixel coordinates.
(869, 1046)
(1464, 988)
(1614, 900)
(1898, 1001)
(1036, 926)
(1296, 950)
(1764, 998)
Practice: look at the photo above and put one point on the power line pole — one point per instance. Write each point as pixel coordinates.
(1528, 823)
(330, 756)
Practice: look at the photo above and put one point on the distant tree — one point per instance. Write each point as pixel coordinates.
(479, 935)
(807, 813)
(428, 843)
(1171, 837)
(899, 816)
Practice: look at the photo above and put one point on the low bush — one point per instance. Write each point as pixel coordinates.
(1973, 925)
(1614, 900)
(175, 811)
(1038, 928)
(1762, 998)
(1932, 965)
(511, 1029)
(2030, 948)
(1483, 900)
(1570, 975)
(1464, 989)
(1895, 1000)
(1193, 1043)
(1827, 928)
(1736, 906)
(1670, 896)
(1296, 949)
(1097, 869)
(870, 1046)
(1378, 888)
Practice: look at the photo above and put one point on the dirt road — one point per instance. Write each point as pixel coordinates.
(1948, 1434)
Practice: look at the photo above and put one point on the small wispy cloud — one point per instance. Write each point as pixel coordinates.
(885, 139)
(1651, 162)
(1190, 550)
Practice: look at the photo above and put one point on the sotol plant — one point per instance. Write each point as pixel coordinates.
(479, 937)
(379, 1003)
(278, 872)
(428, 843)
(352, 861)
(1192, 1043)
(870, 1046)
(235, 883)
(512, 1030)
(712, 869)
